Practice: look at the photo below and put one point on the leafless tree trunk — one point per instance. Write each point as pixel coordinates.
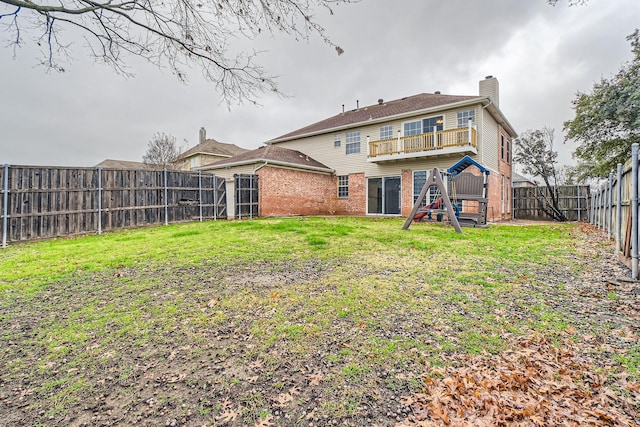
(161, 151)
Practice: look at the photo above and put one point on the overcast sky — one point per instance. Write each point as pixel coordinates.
(541, 55)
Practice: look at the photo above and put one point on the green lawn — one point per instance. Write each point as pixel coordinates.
(279, 321)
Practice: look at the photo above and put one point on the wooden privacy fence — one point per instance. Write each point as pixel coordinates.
(39, 202)
(614, 209)
(247, 200)
(573, 200)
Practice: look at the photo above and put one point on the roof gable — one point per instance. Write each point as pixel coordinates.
(213, 147)
(127, 164)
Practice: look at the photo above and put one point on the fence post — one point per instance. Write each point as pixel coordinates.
(619, 208)
(601, 207)
(215, 197)
(166, 197)
(578, 200)
(200, 192)
(99, 200)
(610, 202)
(5, 204)
(634, 211)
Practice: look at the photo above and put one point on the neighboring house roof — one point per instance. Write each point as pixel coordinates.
(273, 155)
(125, 164)
(516, 177)
(213, 147)
(394, 109)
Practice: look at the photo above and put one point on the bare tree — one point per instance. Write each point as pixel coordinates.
(161, 151)
(173, 33)
(571, 2)
(534, 151)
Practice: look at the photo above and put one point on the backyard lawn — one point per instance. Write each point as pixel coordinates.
(319, 321)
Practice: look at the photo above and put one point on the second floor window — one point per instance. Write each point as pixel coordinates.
(424, 126)
(352, 142)
(336, 140)
(465, 116)
(386, 132)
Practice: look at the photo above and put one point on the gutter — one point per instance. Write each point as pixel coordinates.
(271, 163)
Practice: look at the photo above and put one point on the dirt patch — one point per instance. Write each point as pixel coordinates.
(212, 345)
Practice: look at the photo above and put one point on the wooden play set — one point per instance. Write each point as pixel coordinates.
(461, 201)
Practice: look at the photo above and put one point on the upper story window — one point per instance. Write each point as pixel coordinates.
(336, 140)
(352, 142)
(502, 147)
(413, 128)
(195, 162)
(386, 132)
(465, 116)
(424, 126)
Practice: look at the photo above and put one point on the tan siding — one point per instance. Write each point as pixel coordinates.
(228, 173)
(321, 148)
(488, 142)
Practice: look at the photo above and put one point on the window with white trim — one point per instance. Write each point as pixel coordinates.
(352, 145)
(336, 140)
(343, 186)
(423, 126)
(386, 132)
(195, 162)
(413, 128)
(465, 116)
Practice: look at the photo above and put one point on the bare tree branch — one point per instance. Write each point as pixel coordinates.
(534, 152)
(174, 33)
(162, 150)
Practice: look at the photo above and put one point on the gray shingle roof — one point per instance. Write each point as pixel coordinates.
(274, 154)
(408, 104)
(126, 164)
(211, 146)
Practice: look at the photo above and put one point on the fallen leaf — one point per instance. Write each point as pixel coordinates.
(294, 391)
(283, 399)
(265, 422)
(256, 364)
(230, 415)
(315, 379)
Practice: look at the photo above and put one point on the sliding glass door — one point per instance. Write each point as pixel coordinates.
(383, 195)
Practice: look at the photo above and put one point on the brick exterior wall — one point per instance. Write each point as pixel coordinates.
(286, 192)
(407, 192)
(356, 203)
(496, 189)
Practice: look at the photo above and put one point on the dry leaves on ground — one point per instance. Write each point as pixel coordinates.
(536, 384)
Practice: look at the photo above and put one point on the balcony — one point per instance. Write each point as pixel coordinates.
(440, 143)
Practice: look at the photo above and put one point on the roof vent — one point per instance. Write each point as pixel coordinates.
(488, 77)
(380, 101)
(437, 92)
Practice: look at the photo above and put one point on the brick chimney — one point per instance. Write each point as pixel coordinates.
(203, 135)
(489, 87)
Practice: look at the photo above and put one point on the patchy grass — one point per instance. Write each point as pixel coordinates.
(281, 321)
